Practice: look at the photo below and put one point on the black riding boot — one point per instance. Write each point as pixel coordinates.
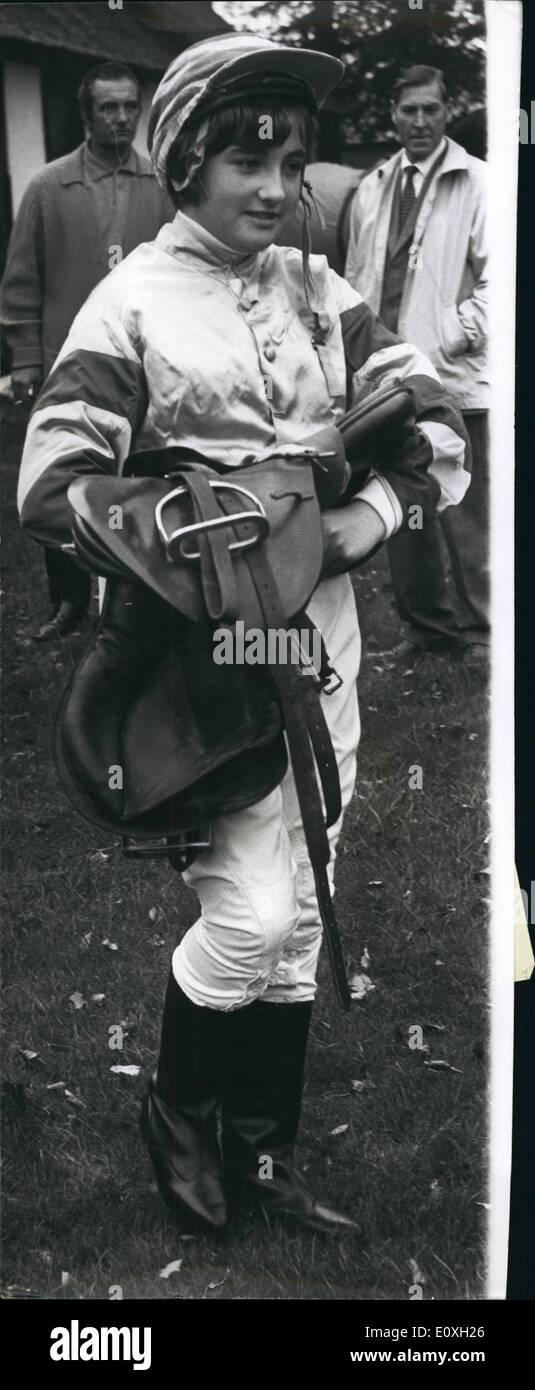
(261, 1109)
(179, 1114)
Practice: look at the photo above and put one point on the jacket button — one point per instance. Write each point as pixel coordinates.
(270, 354)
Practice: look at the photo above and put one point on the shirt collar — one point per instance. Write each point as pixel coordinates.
(422, 165)
(184, 234)
(96, 169)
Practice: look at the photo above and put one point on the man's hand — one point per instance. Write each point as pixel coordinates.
(25, 383)
(349, 534)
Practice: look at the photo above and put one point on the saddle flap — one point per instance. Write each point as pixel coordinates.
(151, 732)
(116, 519)
(201, 716)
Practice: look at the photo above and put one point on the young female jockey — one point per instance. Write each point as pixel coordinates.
(212, 338)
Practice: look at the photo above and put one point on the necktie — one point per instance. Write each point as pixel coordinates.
(408, 197)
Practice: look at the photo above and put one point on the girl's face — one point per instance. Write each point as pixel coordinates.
(247, 193)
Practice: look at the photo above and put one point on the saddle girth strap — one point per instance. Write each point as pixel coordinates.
(217, 571)
(299, 697)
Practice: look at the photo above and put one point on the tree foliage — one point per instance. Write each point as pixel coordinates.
(375, 39)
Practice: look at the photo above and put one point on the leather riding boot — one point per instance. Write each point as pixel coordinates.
(179, 1114)
(66, 619)
(261, 1109)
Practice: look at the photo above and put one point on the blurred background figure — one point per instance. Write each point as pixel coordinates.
(470, 131)
(417, 255)
(79, 216)
(333, 187)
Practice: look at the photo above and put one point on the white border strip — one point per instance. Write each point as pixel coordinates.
(504, 31)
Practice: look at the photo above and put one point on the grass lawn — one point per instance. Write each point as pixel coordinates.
(397, 1141)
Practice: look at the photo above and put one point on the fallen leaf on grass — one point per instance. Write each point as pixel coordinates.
(56, 1086)
(100, 856)
(112, 945)
(360, 986)
(340, 1129)
(357, 1087)
(127, 1071)
(155, 914)
(73, 1100)
(173, 1268)
(439, 1064)
(417, 1276)
(86, 940)
(365, 959)
(77, 999)
(97, 998)
(28, 1054)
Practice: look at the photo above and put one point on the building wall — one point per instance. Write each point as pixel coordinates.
(25, 135)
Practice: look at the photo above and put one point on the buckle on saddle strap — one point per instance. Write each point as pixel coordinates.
(331, 682)
(174, 543)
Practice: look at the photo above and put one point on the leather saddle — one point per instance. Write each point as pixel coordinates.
(154, 739)
(193, 553)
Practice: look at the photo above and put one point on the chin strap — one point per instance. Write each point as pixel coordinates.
(309, 204)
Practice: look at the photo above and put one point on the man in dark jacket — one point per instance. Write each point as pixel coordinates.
(79, 216)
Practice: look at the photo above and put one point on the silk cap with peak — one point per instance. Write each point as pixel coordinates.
(205, 69)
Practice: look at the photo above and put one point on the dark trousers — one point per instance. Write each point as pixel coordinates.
(444, 609)
(66, 581)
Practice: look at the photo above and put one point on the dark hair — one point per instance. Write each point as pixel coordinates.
(103, 72)
(235, 125)
(419, 76)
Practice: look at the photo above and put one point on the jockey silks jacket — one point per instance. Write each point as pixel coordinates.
(187, 343)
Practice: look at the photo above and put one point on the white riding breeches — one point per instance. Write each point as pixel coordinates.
(259, 933)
